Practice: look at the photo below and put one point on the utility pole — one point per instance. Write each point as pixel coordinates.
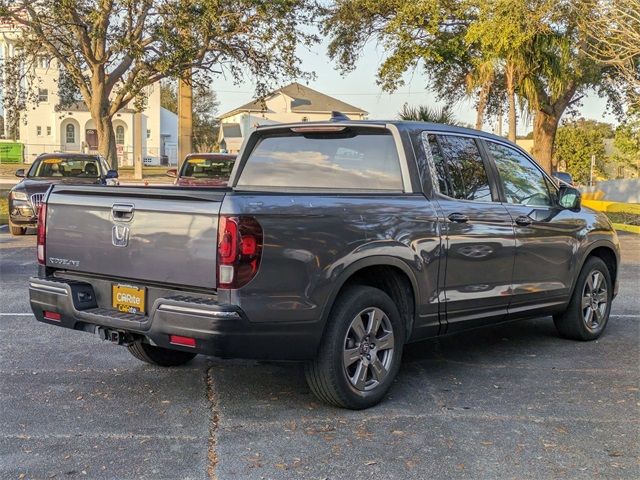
(593, 164)
(185, 117)
(137, 145)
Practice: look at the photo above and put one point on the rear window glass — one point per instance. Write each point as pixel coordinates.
(195, 167)
(70, 167)
(360, 161)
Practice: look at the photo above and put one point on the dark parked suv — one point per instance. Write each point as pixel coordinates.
(49, 169)
(335, 243)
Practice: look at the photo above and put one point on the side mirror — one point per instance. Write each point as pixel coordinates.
(569, 198)
(111, 174)
(20, 172)
(172, 172)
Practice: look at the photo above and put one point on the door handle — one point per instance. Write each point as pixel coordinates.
(524, 221)
(122, 212)
(458, 218)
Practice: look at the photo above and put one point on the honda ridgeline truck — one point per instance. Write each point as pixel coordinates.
(335, 243)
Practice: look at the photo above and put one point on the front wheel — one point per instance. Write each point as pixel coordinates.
(588, 312)
(360, 353)
(163, 357)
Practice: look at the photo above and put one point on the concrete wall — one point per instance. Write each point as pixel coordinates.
(624, 191)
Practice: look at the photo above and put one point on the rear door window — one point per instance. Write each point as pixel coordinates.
(353, 161)
(459, 168)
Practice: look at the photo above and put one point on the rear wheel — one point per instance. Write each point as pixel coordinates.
(163, 357)
(588, 312)
(360, 353)
(16, 230)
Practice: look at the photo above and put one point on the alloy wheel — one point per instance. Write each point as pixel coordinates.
(368, 349)
(594, 300)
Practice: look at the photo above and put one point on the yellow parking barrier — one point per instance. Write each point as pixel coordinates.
(613, 207)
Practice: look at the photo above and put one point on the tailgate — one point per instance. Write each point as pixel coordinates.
(157, 234)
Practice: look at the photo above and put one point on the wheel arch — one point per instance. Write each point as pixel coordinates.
(608, 253)
(389, 274)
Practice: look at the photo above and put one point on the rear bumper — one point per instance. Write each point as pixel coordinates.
(220, 330)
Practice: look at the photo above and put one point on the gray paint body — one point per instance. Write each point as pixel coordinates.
(463, 275)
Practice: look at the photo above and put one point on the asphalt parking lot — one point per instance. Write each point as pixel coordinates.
(512, 401)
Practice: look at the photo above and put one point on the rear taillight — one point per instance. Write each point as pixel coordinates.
(239, 250)
(42, 232)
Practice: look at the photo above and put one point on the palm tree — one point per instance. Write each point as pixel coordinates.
(425, 113)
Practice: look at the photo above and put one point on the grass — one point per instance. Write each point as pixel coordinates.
(4, 207)
(624, 218)
(152, 174)
(9, 169)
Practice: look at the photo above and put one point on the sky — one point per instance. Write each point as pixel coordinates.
(359, 88)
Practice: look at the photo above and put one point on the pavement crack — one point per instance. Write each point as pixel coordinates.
(212, 398)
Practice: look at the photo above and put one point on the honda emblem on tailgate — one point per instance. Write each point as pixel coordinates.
(120, 235)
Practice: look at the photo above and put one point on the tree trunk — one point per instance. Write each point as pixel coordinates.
(545, 127)
(107, 140)
(511, 98)
(483, 97)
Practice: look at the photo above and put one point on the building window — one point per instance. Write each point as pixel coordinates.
(43, 62)
(119, 135)
(43, 95)
(39, 131)
(71, 133)
(148, 133)
(48, 131)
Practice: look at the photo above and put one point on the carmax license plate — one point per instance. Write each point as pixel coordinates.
(128, 299)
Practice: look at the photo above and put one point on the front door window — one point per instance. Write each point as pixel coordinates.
(120, 135)
(71, 133)
(522, 182)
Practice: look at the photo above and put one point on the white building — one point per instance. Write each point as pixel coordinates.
(45, 128)
(293, 103)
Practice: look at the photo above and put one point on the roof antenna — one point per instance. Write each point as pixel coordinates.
(338, 117)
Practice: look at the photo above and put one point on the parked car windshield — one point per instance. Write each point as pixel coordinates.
(71, 167)
(207, 167)
(364, 161)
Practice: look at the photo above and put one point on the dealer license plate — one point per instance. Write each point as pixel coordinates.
(128, 299)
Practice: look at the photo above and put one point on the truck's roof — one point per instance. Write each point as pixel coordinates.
(403, 125)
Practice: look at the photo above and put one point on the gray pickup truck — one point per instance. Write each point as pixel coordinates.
(335, 243)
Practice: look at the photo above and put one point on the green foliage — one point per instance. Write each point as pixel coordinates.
(576, 142)
(627, 143)
(467, 45)
(424, 113)
(112, 50)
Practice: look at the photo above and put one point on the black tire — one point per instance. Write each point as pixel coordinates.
(327, 375)
(16, 230)
(574, 322)
(163, 357)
